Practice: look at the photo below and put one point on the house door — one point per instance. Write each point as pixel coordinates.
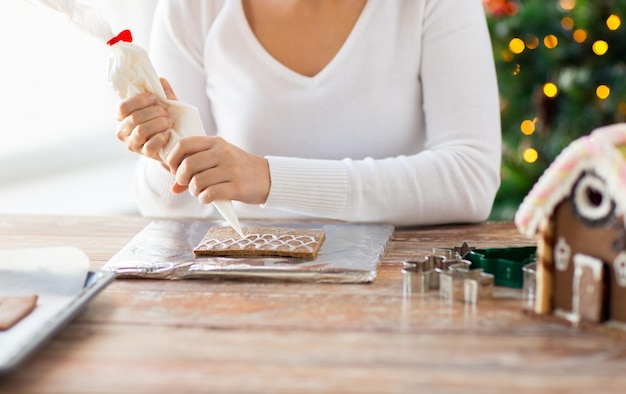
(588, 292)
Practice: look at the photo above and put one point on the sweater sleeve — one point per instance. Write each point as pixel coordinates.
(457, 175)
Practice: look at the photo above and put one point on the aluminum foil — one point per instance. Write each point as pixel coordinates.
(164, 250)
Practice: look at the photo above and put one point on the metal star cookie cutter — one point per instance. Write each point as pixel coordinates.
(422, 273)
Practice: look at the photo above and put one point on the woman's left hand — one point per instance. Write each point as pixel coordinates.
(213, 169)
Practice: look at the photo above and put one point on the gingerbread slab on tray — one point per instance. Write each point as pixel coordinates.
(15, 308)
(270, 250)
(261, 242)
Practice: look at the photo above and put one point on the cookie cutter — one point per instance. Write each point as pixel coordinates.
(442, 260)
(477, 270)
(422, 273)
(530, 285)
(460, 283)
(506, 264)
(416, 276)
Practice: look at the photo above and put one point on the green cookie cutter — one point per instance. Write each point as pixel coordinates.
(504, 263)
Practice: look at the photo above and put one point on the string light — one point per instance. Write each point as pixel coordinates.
(613, 22)
(550, 90)
(532, 42)
(567, 23)
(527, 127)
(600, 47)
(517, 69)
(603, 92)
(530, 155)
(568, 5)
(516, 45)
(550, 41)
(507, 56)
(580, 35)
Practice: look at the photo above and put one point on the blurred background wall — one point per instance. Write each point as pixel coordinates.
(58, 150)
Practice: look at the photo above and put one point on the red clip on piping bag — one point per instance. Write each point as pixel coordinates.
(124, 35)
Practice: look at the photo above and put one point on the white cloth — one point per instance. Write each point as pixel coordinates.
(402, 126)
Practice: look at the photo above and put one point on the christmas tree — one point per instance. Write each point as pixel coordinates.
(561, 73)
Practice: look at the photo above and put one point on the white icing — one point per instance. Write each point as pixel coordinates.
(562, 252)
(582, 261)
(619, 266)
(587, 208)
(264, 241)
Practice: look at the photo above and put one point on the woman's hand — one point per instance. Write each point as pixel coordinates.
(212, 169)
(143, 123)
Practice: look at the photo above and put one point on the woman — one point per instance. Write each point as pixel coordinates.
(364, 111)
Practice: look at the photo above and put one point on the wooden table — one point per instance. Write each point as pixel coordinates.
(248, 337)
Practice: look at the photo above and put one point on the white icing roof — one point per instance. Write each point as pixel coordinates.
(598, 151)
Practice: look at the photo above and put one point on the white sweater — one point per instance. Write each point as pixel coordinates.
(402, 126)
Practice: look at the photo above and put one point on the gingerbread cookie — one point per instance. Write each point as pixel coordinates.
(261, 242)
(15, 308)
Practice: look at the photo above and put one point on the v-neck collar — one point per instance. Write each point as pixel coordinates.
(295, 76)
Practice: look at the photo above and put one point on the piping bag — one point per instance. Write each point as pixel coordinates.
(130, 71)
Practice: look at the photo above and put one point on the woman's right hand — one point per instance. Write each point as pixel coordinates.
(143, 123)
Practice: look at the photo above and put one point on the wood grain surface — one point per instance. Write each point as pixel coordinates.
(212, 336)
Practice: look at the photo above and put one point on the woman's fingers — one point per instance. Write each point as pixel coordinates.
(247, 180)
(177, 189)
(145, 128)
(154, 144)
(191, 156)
(187, 147)
(134, 103)
(169, 92)
(212, 169)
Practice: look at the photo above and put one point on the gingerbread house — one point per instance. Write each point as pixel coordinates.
(576, 211)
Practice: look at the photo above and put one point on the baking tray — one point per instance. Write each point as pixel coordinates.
(164, 250)
(95, 282)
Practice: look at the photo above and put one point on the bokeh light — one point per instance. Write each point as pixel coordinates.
(516, 45)
(530, 155)
(603, 92)
(567, 5)
(550, 41)
(527, 127)
(600, 47)
(550, 90)
(580, 35)
(532, 42)
(567, 23)
(613, 22)
(507, 56)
